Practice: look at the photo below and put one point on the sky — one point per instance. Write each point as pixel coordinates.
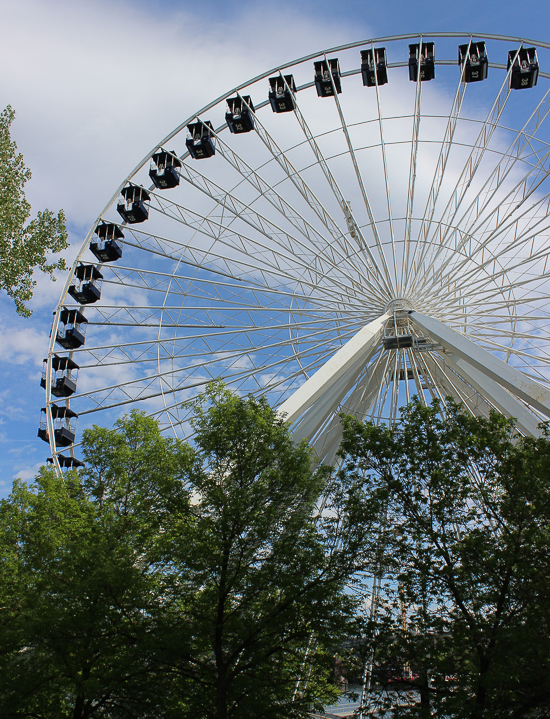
(96, 84)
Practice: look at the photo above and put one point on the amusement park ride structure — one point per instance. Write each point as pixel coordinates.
(253, 267)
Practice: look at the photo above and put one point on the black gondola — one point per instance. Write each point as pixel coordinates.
(425, 58)
(67, 462)
(64, 423)
(71, 332)
(525, 70)
(64, 374)
(239, 117)
(200, 141)
(107, 247)
(324, 69)
(86, 284)
(374, 71)
(163, 170)
(281, 93)
(133, 206)
(475, 60)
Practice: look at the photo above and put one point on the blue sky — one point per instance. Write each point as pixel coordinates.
(96, 84)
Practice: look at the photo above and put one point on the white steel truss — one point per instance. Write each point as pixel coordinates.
(285, 263)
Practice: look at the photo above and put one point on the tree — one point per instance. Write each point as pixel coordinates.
(258, 603)
(23, 246)
(171, 580)
(78, 585)
(464, 616)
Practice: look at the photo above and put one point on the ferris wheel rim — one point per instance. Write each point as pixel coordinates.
(237, 89)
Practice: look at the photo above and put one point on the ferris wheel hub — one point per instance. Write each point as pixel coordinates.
(398, 304)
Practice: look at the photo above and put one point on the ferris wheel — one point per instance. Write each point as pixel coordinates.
(341, 233)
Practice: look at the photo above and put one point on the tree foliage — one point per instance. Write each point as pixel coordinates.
(78, 583)
(172, 580)
(263, 601)
(463, 622)
(23, 245)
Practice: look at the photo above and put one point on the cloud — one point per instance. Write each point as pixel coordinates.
(28, 473)
(95, 85)
(22, 346)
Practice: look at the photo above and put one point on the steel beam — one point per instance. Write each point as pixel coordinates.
(335, 378)
(526, 422)
(486, 363)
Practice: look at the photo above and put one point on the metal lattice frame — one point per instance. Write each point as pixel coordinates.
(256, 269)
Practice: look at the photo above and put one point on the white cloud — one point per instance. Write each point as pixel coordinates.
(95, 85)
(28, 473)
(21, 346)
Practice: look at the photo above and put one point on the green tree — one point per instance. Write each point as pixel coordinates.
(170, 580)
(258, 602)
(78, 585)
(23, 245)
(464, 615)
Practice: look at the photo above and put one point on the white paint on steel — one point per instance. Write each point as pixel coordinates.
(502, 400)
(356, 352)
(502, 373)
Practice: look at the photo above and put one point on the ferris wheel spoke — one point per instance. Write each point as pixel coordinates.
(205, 289)
(509, 159)
(515, 153)
(282, 382)
(513, 335)
(478, 275)
(190, 350)
(228, 378)
(492, 320)
(512, 201)
(367, 387)
(429, 381)
(326, 255)
(454, 386)
(352, 223)
(489, 334)
(361, 248)
(236, 323)
(384, 157)
(417, 377)
(480, 292)
(524, 267)
(272, 257)
(439, 236)
(394, 384)
(382, 390)
(535, 221)
(533, 216)
(186, 384)
(259, 276)
(412, 174)
(277, 201)
(439, 173)
(358, 402)
(301, 186)
(486, 295)
(153, 345)
(329, 252)
(140, 315)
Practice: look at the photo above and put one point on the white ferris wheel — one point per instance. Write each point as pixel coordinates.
(340, 233)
